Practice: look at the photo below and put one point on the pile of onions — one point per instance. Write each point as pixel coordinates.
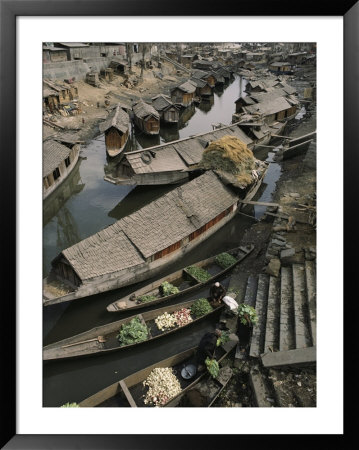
(183, 316)
(162, 386)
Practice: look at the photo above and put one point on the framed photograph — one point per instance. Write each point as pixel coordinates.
(95, 87)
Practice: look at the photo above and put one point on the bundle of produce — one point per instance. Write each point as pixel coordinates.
(162, 386)
(70, 405)
(225, 260)
(201, 307)
(183, 316)
(132, 332)
(199, 274)
(212, 367)
(165, 321)
(247, 314)
(146, 298)
(231, 155)
(168, 289)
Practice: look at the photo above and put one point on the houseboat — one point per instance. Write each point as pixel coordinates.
(202, 87)
(138, 246)
(169, 113)
(183, 95)
(171, 162)
(146, 118)
(116, 128)
(59, 159)
(209, 77)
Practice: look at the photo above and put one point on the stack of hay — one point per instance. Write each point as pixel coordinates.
(229, 154)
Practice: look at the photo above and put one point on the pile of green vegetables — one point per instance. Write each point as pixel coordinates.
(212, 367)
(168, 289)
(201, 307)
(70, 405)
(224, 337)
(199, 274)
(247, 314)
(132, 332)
(146, 298)
(225, 260)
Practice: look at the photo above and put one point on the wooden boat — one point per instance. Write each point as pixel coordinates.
(138, 246)
(116, 128)
(130, 390)
(103, 339)
(181, 279)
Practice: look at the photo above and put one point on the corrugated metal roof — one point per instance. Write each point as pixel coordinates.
(198, 82)
(52, 156)
(143, 110)
(154, 227)
(118, 119)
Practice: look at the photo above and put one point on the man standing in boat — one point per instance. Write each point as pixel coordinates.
(216, 293)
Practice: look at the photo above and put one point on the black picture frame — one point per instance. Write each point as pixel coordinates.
(10, 9)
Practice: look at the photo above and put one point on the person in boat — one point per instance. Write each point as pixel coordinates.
(231, 305)
(216, 293)
(206, 348)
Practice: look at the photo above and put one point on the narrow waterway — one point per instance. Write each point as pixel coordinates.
(85, 204)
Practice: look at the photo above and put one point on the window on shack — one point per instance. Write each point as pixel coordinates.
(56, 173)
(67, 161)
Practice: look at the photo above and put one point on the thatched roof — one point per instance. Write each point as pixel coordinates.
(156, 226)
(144, 110)
(52, 156)
(118, 119)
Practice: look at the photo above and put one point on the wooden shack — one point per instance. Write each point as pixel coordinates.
(209, 77)
(183, 95)
(281, 68)
(202, 87)
(107, 74)
(146, 118)
(169, 113)
(116, 128)
(93, 79)
(276, 109)
(64, 93)
(243, 101)
(59, 158)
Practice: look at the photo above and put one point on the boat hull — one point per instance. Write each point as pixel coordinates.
(88, 343)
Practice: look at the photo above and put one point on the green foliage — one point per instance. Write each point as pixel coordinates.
(70, 405)
(224, 337)
(212, 367)
(247, 314)
(168, 288)
(132, 332)
(225, 260)
(146, 298)
(201, 307)
(199, 274)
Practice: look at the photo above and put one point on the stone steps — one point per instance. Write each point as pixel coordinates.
(258, 331)
(285, 305)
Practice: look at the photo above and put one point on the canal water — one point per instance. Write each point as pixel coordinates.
(85, 204)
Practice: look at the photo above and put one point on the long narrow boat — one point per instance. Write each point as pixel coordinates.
(103, 339)
(130, 390)
(138, 246)
(181, 279)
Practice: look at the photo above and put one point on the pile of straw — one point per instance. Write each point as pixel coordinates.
(231, 155)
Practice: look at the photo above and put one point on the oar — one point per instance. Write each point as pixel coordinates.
(99, 339)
